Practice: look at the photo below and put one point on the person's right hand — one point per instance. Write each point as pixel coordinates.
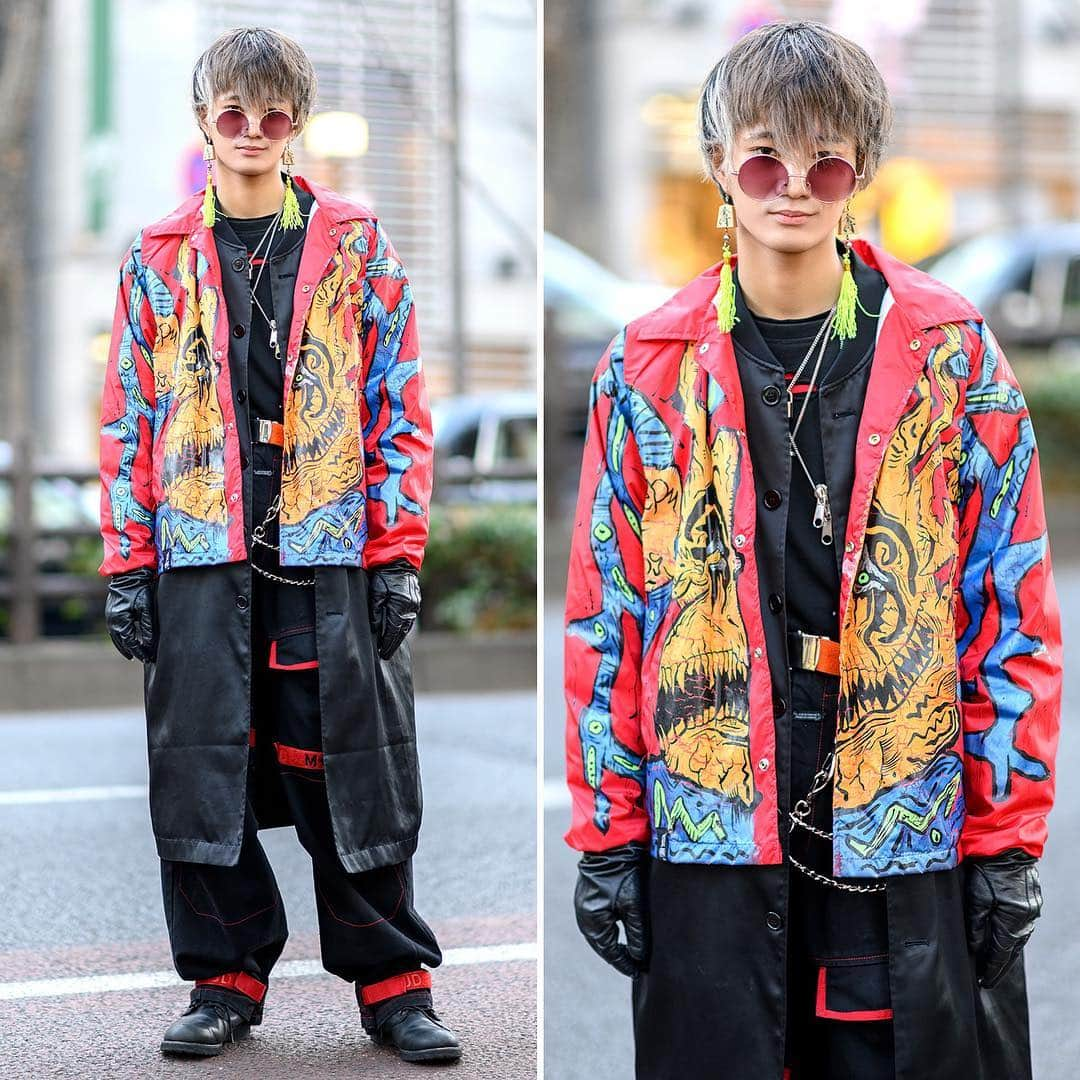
(610, 890)
(130, 613)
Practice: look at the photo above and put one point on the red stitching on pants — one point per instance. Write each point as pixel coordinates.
(216, 918)
(364, 926)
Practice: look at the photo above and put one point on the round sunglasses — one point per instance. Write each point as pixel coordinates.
(830, 179)
(233, 122)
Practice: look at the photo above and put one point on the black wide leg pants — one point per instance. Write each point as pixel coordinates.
(228, 919)
(704, 963)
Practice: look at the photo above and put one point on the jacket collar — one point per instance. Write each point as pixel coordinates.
(187, 217)
(924, 301)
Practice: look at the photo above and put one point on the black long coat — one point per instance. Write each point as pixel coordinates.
(198, 691)
(713, 999)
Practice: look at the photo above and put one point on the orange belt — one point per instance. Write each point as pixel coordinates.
(269, 431)
(813, 652)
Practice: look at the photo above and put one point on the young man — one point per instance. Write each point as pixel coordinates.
(813, 656)
(266, 470)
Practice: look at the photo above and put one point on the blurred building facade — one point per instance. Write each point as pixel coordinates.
(118, 147)
(987, 121)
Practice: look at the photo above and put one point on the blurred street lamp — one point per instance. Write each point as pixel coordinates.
(333, 137)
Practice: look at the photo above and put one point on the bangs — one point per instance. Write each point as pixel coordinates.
(802, 83)
(261, 67)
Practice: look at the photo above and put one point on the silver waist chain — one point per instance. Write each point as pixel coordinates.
(258, 534)
(798, 814)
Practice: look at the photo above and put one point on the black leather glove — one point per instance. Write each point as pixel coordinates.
(130, 613)
(394, 603)
(610, 889)
(1002, 901)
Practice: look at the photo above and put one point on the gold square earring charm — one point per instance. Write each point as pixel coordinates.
(725, 216)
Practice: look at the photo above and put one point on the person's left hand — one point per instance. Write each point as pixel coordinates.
(394, 603)
(1002, 900)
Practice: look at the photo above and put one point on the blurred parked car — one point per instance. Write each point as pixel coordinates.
(485, 448)
(585, 305)
(1025, 281)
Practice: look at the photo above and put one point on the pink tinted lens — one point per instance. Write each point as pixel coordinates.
(831, 179)
(231, 122)
(276, 124)
(762, 177)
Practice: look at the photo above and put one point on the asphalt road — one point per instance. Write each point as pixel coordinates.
(86, 979)
(587, 1004)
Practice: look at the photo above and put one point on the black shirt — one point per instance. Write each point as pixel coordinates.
(265, 370)
(770, 351)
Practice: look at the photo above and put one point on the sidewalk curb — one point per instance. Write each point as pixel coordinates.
(59, 674)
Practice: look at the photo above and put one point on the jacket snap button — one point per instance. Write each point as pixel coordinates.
(242, 602)
(704, 347)
(850, 545)
(776, 601)
(239, 263)
(307, 288)
(773, 499)
(763, 764)
(238, 330)
(873, 439)
(915, 343)
(217, 354)
(740, 540)
(779, 707)
(757, 654)
(771, 395)
(233, 497)
(241, 395)
(774, 921)
(333, 232)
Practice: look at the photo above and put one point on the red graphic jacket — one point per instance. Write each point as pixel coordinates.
(357, 459)
(950, 646)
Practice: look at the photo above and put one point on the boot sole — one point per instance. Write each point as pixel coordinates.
(191, 1049)
(436, 1053)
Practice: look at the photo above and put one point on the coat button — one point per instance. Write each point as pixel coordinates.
(873, 438)
(915, 343)
(307, 288)
(241, 395)
(242, 602)
(763, 764)
(773, 499)
(850, 545)
(771, 395)
(239, 263)
(779, 706)
(238, 330)
(739, 540)
(776, 602)
(774, 921)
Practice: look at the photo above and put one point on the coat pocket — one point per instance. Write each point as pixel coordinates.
(853, 990)
(294, 650)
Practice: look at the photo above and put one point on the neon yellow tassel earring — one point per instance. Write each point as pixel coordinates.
(291, 218)
(725, 295)
(844, 323)
(208, 194)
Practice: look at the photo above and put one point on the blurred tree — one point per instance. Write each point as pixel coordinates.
(22, 24)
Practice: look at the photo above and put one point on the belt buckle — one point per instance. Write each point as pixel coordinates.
(809, 649)
(265, 430)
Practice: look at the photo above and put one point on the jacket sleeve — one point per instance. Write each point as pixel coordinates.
(1009, 645)
(127, 425)
(395, 414)
(604, 624)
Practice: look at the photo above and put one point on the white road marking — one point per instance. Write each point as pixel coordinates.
(289, 969)
(37, 796)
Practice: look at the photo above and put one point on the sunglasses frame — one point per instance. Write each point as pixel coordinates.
(856, 177)
(247, 125)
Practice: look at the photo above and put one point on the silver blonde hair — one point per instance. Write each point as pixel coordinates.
(799, 80)
(258, 65)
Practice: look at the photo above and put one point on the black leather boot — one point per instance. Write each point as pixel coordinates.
(205, 1029)
(417, 1034)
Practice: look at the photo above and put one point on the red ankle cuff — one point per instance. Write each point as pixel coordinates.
(373, 993)
(240, 981)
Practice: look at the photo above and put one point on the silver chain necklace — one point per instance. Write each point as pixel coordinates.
(822, 510)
